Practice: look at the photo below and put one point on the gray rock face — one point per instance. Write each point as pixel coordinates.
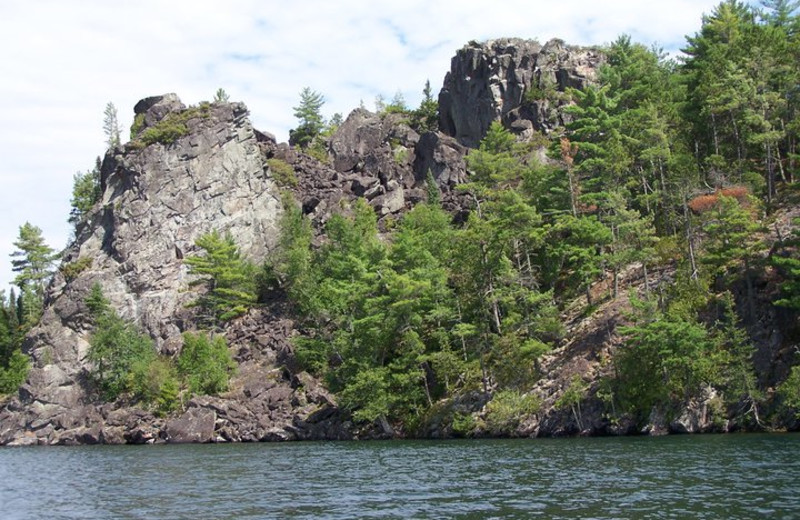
(376, 153)
(489, 82)
(156, 202)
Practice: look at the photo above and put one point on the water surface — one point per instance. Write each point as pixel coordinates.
(701, 477)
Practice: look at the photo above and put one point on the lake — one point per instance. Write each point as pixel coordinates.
(698, 477)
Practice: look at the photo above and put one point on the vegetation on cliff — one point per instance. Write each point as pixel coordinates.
(663, 165)
(663, 188)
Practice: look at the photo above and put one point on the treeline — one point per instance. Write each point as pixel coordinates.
(664, 165)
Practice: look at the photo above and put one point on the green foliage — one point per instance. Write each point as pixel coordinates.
(282, 172)
(137, 125)
(171, 128)
(317, 149)
(571, 398)
(431, 310)
(738, 372)
(789, 390)
(14, 364)
(434, 196)
(33, 261)
(730, 241)
(205, 363)
(220, 96)
(117, 351)
(426, 117)
(85, 193)
(787, 260)
(111, 126)
(665, 360)
(507, 409)
(166, 131)
(309, 116)
(154, 381)
(73, 269)
(229, 279)
(13, 372)
(464, 424)
(125, 363)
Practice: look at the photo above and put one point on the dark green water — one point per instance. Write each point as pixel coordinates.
(691, 477)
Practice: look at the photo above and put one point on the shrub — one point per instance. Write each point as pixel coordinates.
(14, 374)
(136, 127)
(464, 424)
(205, 363)
(115, 348)
(282, 172)
(73, 269)
(171, 128)
(155, 382)
(318, 151)
(789, 391)
(507, 409)
(166, 131)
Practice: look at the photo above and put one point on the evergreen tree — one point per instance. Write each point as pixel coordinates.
(309, 116)
(426, 117)
(666, 360)
(220, 96)
(205, 363)
(228, 278)
(85, 193)
(787, 260)
(111, 125)
(115, 348)
(33, 261)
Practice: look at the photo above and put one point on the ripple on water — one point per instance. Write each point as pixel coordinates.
(736, 476)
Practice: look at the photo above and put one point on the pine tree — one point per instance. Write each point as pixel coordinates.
(115, 348)
(33, 260)
(85, 193)
(111, 125)
(310, 118)
(787, 260)
(426, 117)
(220, 96)
(228, 278)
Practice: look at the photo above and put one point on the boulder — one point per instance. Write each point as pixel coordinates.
(195, 425)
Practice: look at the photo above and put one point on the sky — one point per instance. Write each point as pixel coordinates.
(62, 61)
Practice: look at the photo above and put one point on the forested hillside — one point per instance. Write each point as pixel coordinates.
(646, 225)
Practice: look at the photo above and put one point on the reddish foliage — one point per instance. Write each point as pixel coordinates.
(703, 203)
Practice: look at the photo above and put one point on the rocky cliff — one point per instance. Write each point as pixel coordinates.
(514, 81)
(158, 198)
(191, 170)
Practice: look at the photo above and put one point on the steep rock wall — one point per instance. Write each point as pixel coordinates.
(157, 200)
(489, 82)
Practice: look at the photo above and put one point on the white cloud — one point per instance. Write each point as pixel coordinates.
(63, 61)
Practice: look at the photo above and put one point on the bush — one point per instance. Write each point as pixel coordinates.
(464, 424)
(507, 409)
(155, 382)
(789, 391)
(205, 363)
(171, 128)
(282, 172)
(124, 360)
(114, 348)
(136, 127)
(73, 269)
(14, 374)
(166, 131)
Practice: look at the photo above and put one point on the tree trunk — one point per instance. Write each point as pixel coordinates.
(689, 237)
